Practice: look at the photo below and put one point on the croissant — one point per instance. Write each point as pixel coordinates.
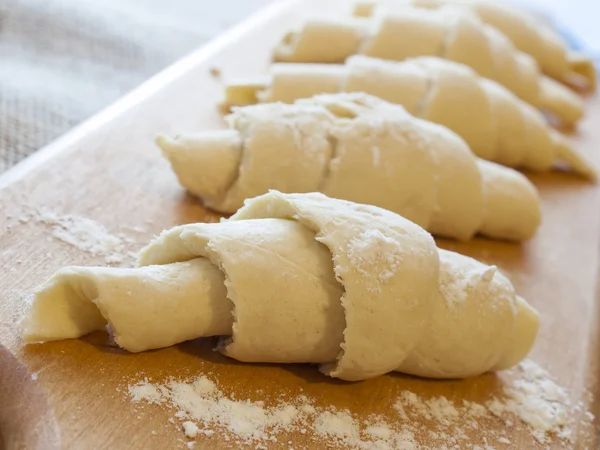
(449, 32)
(301, 278)
(359, 148)
(527, 34)
(494, 122)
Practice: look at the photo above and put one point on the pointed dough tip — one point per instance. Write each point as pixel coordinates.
(565, 153)
(166, 143)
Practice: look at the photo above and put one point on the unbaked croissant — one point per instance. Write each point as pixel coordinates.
(359, 148)
(450, 33)
(301, 278)
(526, 33)
(495, 123)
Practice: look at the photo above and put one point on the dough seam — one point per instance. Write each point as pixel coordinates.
(243, 155)
(431, 81)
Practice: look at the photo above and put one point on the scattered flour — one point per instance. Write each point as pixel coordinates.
(339, 425)
(452, 284)
(190, 429)
(146, 391)
(442, 410)
(455, 286)
(86, 235)
(529, 395)
(538, 401)
(205, 409)
(372, 253)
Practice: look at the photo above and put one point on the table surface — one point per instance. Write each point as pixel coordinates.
(109, 170)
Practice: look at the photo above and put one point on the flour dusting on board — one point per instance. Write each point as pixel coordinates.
(538, 401)
(530, 401)
(88, 236)
(205, 409)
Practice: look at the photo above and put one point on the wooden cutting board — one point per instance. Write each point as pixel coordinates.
(70, 394)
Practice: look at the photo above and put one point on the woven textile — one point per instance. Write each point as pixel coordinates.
(63, 60)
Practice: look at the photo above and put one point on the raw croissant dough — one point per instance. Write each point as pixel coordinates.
(389, 300)
(496, 124)
(526, 33)
(451, 33)
(359, 148)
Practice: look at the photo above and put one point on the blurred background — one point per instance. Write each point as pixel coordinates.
(61, 61)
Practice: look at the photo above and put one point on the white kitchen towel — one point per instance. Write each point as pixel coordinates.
(63, 60)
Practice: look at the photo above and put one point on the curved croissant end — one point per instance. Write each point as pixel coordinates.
(567, 155)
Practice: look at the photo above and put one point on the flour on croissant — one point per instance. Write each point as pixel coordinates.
(494, 122)
(359, 148)
(301, 278)
(449, 32)
(528, 34)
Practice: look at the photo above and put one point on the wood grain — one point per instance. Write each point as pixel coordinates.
(110, 171)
